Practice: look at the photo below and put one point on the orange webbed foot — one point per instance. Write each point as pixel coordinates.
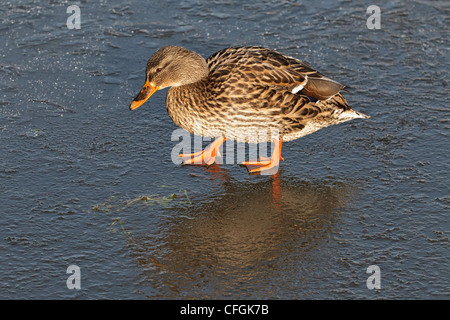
(263, 167)
(266, 165)
(205, 157)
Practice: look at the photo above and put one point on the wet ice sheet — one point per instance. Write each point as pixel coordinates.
(363, 193)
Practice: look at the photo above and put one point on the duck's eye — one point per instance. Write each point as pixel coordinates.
(158, 70)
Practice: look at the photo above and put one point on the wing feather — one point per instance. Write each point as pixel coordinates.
(269, 67)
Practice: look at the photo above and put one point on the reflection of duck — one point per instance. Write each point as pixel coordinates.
(242, 240)
(248, 94)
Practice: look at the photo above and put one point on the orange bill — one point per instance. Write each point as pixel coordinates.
(146, 91)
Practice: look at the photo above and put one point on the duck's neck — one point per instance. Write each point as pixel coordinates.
(187, 104)
(190, 70)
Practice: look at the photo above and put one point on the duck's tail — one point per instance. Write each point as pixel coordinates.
(341, 108)
(353, 114)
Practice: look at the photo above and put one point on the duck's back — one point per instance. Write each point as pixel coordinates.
(257, 65)
(254, 93)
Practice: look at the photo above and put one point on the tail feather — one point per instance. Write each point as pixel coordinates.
(340, 106)
(353, 114)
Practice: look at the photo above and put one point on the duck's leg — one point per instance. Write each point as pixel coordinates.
(204, 157)
(264, 163)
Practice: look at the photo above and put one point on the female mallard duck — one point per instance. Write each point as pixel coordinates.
(248, 94)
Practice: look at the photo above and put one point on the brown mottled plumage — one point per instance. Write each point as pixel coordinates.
(248, 94)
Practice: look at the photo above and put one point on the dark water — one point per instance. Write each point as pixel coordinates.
(86, 182)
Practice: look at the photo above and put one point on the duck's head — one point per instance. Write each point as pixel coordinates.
(169, 67)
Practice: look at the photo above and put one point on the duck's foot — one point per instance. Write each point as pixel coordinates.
(205, 157)
(266, 165)
(262, 166)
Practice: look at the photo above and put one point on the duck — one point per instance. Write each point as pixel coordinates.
(246, 94)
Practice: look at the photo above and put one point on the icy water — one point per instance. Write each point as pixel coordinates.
(84, 181)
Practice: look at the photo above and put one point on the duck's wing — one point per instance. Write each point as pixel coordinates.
(271, 68)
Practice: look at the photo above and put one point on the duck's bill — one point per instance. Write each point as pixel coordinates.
(146, 91)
